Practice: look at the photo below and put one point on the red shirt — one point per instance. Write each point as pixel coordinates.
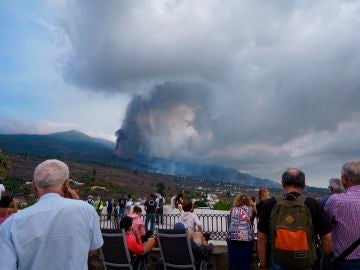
(134, 243)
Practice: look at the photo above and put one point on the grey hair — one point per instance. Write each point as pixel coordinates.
(336, 185)
(352, 171)
(51, 173)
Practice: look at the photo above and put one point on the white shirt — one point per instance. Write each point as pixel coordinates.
(55, 233)
(190, 220)
(2, 189)
(157, 200)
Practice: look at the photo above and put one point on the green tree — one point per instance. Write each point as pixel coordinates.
(200, 204)
(5, 166)
(94, 175)
(222, 205)
(160, 188)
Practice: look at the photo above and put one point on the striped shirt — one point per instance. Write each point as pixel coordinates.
(344, 213)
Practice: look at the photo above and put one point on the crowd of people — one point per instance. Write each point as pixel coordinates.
(293, 231)
(299, 232)
(154, 208)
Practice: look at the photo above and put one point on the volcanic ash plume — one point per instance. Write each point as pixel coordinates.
(170, 121)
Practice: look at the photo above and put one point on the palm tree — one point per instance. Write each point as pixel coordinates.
(5, 166)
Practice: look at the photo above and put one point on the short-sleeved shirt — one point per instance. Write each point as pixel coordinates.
(150, 206)
(320, 219)
(344, 213)
(55, 233)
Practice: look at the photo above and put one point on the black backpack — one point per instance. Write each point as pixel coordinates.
(161, 202)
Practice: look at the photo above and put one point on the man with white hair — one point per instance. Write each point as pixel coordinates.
(344, 213)
(335, 187)
(58, 232)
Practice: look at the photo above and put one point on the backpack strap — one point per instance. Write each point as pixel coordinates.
(347, 251)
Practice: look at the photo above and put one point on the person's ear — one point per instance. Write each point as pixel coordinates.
(345, 181)
(65, 186)
(282, 183)
(35, 190)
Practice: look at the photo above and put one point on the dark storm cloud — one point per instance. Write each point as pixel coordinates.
(273, 74)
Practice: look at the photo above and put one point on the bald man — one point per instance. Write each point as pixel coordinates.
(293, 182)
(57, 232)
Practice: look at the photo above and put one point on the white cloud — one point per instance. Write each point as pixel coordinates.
(21, 126)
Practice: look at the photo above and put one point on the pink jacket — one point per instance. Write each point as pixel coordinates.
(138, 223)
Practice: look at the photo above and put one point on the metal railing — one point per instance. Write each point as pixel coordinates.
(215, 224)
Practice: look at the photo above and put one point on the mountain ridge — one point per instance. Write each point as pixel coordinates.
(75, 145)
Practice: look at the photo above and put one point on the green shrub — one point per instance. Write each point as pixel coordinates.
(222, 205)
(200, 204)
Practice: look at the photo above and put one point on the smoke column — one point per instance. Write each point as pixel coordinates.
(168, 122)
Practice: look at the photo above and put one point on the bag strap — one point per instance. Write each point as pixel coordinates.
(347, 251)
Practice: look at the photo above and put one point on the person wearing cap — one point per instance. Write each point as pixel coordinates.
(335, 187)
(189, 219)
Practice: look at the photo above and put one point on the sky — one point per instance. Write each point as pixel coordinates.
(259, 86)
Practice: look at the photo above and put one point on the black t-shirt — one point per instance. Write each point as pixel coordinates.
(150, 206)
(259, 208)
(122, 202)
(320, 219)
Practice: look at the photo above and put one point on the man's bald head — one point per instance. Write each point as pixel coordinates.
(293, 177)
